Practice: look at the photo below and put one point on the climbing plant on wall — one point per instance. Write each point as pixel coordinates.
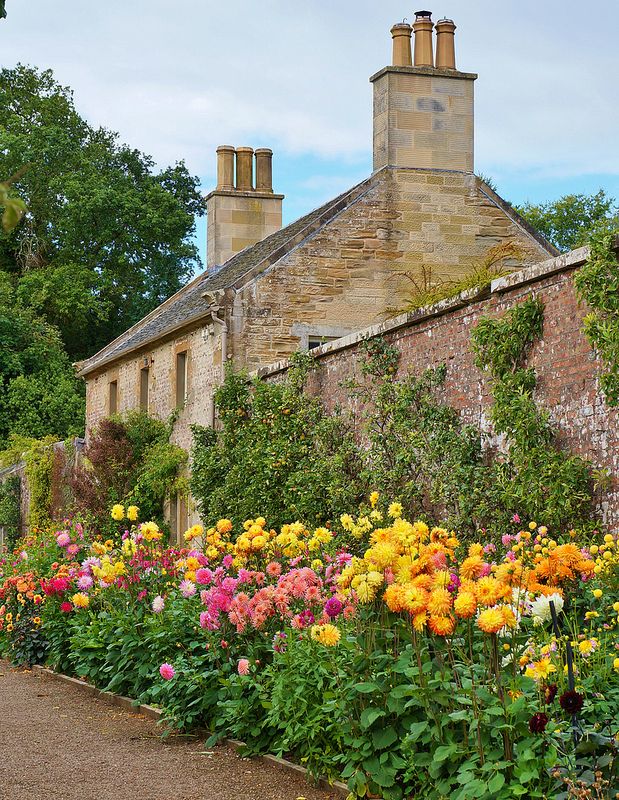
(10, 512)
(597, 284)
(534, 475)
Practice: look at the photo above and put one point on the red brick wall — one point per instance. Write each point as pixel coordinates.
(567, 371)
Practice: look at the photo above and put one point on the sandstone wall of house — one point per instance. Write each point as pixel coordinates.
(203, 346)
(359, 268)
(567, 369)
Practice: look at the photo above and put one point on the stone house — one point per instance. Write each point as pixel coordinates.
(267, 291)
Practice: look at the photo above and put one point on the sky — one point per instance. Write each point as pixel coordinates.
(178, 78)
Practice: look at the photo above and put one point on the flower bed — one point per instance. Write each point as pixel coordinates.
(384, 652)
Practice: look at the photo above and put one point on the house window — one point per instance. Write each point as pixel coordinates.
(181, 379)
(179, 518)
(144, 376)
(113, 397)
(316, 341)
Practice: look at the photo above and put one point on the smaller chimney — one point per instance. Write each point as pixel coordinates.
(244, 169)
(401, 33)
(225, 167)
(445, 48)
(264, 169)
(237, 215)
(423, 39)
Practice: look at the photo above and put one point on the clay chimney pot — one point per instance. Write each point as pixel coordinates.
(445, 47)
(225, 167)
(244, 169)
(423, 39)
(401, 33)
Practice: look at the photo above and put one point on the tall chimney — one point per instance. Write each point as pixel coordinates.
(225, 167)
(423, 114)
(423, 39)
(237, 214)
(401, 33)
(445, 46)
(264, 169)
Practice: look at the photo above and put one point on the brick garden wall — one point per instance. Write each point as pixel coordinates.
(567, 369)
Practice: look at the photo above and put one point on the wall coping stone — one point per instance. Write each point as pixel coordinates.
(433, 72)
(530, 274)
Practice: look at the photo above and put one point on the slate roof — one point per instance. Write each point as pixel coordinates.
(189, 304)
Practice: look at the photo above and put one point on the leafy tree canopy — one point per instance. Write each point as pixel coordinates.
(39, 393)
(106, 237)
(569, 221)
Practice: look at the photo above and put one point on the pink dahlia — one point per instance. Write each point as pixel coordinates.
(243, 666)
(167, 671)
(158, 604)
(63, 539)
(84, 582)
(204, 576)
(187, 588)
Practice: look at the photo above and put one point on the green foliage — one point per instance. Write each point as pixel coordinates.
(418, 450)
(14, 207)
(568, 221)
(39, 393)
(10, 509)
(534, 476)
(597, 284)
(277, 451)
(106, 237)
(39, 460)
(129, 459)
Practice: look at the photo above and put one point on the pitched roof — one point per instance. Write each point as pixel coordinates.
(189, 304)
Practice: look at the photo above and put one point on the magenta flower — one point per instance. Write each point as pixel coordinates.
(333, 607)
(84, 582)
(63, 539)
(167, 671)
(204, 576)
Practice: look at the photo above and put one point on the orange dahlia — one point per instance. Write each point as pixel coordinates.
(488, 591)
(416, 599)
(472, 567)
(420, 621)
(441, 625)
(440, 601)
(395, 597)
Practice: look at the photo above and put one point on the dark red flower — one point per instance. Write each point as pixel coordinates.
(550, 692)
(571, 702)
(66, 607)
(538, 722)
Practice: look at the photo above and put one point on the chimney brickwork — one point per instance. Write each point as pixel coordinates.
(239, 215)
(423, 114)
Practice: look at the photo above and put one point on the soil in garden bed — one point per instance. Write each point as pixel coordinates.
(59, 743)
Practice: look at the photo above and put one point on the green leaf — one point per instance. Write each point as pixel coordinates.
(370, 715)
(384, 737)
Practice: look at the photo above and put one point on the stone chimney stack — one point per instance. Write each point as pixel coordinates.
(241, 211)
(423, 113)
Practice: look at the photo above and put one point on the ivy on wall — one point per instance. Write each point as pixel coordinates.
(10, 509)
(553, 485)
(597, 284)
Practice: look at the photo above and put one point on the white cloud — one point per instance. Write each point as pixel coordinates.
(177, 79)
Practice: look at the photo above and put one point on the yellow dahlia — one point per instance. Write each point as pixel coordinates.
(491, 620)
(328, 635)
(118, 512)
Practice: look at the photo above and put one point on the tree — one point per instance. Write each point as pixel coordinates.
(106, 237)
(568, 221)
(39, 393)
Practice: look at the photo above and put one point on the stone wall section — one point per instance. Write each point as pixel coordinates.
(567, 369)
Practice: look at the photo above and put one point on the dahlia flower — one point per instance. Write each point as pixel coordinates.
(167, 671)
(158, 604)
(540, 608)
(243, 666)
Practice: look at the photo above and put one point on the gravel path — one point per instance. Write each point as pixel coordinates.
(59, 743)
